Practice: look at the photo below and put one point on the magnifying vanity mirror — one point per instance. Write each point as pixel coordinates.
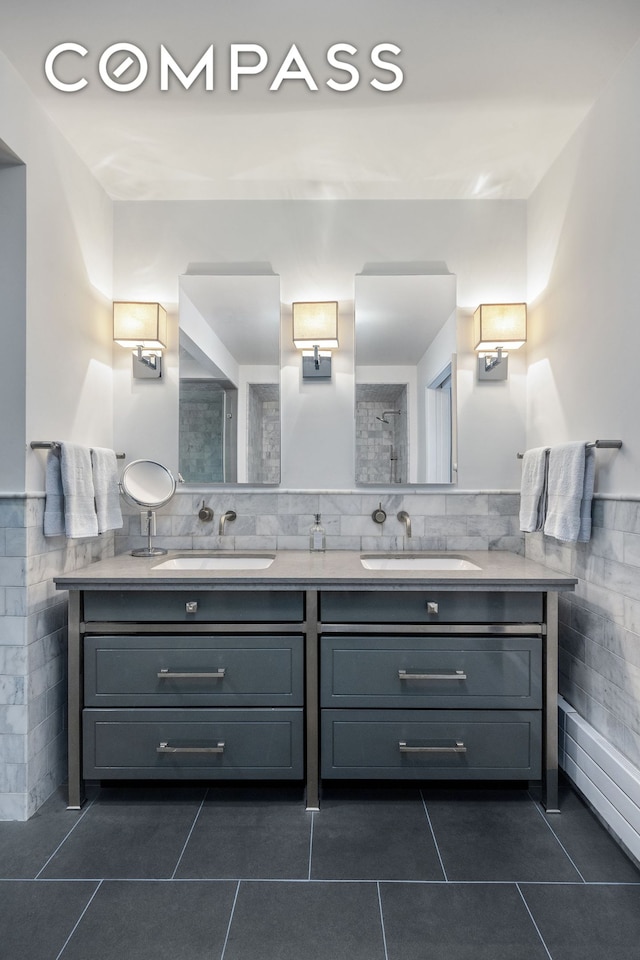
(405, 336)
(145, 483)
(229, 400)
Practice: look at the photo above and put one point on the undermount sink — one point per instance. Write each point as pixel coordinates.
(412, 562)
(232, 562)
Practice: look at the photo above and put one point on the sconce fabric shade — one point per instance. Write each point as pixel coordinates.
(140, 324)
(500, 325)
(315, 324)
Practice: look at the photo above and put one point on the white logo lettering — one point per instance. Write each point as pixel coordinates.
(108, 78)
(167, 63)
(236, 69)
(50, 62)
(302, 73)
(390, 67)
(349, 68)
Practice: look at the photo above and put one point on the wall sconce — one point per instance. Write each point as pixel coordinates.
(143, 327)
(496, 327)
(315, 332)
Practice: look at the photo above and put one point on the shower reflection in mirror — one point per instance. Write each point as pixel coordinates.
(406, 339)
(229, 395)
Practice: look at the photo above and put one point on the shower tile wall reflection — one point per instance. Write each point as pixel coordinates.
(263, 452)
(381, 433)
(201, 431)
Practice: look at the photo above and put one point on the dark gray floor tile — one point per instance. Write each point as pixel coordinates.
(26, 847)
(154, 920)
(36, 917)
(250, 832)
(593, 850)
(129, 832)
(458, 922)
(495, 835)
(587, 921)
(367, 833)
(291, 921)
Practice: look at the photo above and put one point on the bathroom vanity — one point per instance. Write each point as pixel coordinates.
(313, 667)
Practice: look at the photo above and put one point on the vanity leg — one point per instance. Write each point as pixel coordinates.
(311, 701)
(550, 664)
(74, 710)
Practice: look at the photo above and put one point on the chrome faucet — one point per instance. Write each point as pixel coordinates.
(227, 515)
(404, 517)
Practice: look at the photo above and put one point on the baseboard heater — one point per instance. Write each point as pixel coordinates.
(603, 776)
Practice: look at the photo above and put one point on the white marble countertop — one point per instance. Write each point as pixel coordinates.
(335, 569)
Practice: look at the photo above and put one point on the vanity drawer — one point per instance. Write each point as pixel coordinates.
(177, 606)
(193, 671)
(427, 671)
(440, 744)
(198, 744)
(429, 606)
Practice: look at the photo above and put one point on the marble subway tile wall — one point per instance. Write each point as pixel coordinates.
(599, 629)
(264, 433)
(281, 521)
(33, 636)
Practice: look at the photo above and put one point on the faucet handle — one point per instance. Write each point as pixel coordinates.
(378, 515)
(205, 513)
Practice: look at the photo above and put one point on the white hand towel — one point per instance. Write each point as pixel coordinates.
(533, 489)
(80, 518)
(54, 497)
(569, 496)
(107, 491)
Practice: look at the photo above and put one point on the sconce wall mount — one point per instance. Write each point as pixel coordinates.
(315, 332)
(142, 327)
(498, 327)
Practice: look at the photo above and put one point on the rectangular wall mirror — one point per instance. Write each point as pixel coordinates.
(405, 357)
(229, 394)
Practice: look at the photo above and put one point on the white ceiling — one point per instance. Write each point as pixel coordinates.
(493, 89)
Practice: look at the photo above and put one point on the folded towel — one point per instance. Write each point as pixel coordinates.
(533, 489)
(80, 518)
(107, 491)
(587, 495)
(54, 497)
(571, 474)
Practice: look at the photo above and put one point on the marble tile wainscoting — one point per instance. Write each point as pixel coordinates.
(599, 639)
(33, 636)
(600, 623)
(273, 520)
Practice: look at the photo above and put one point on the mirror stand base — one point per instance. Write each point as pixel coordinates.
(148, 552)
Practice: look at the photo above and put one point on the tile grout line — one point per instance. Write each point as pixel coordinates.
(79, 920)
(233, 908)
(564, 849)
(533, 921)
(384, 935)
(65, 838)
(195, 820)
(311, 843)
(426, 813)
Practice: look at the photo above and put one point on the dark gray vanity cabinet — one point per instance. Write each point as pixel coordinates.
(204, 684)
(430, 684)
(212, 682)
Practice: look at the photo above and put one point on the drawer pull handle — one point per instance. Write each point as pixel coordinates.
(459, 748)
(166, 674)
(191, 606)
(164, 747)
(432, 606)
(458, 675)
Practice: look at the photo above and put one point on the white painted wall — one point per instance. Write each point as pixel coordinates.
(68, 389)
(317, 248)
(584, 284)
(13, 285)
